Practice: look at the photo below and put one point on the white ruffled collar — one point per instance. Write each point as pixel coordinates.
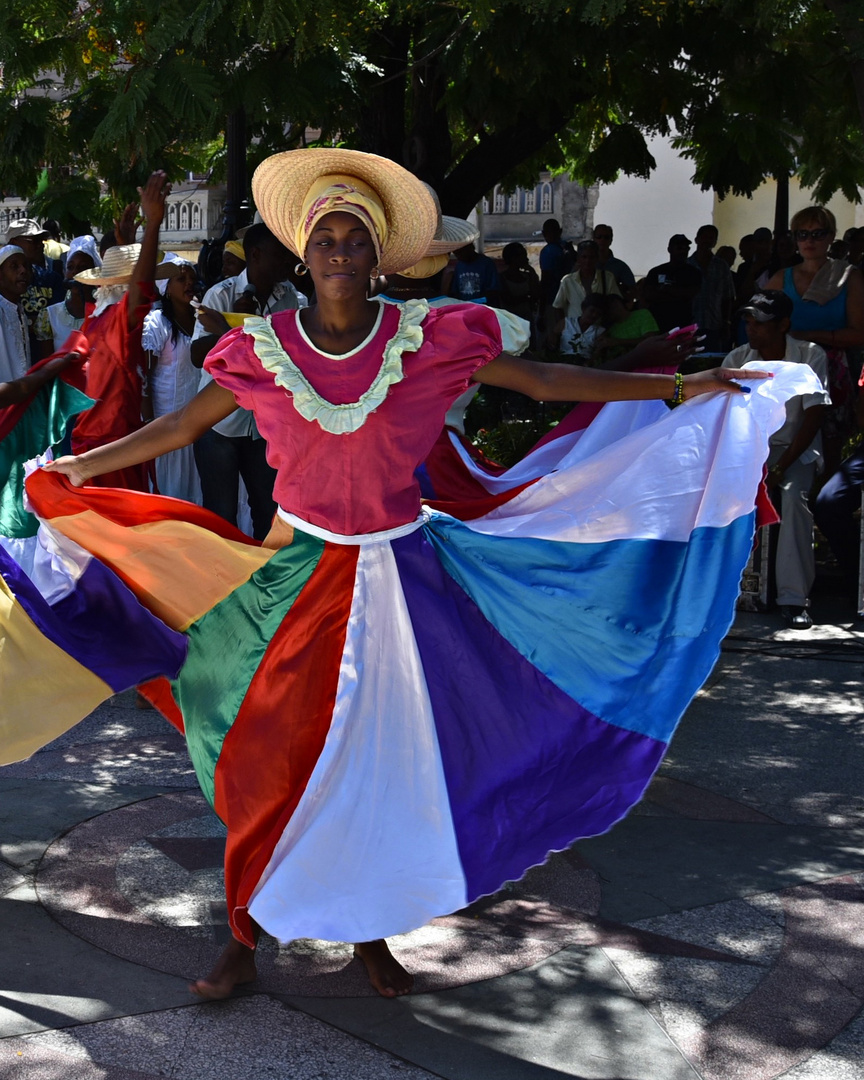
(345, 418)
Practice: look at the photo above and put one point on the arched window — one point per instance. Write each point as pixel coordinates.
(531, 201)
(484, 205)
(498, 201)
(196, 216)
(172, 216)
(184, 217)
(513, 202)
(546, 198)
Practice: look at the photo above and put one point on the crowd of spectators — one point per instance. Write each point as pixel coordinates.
(796, 295)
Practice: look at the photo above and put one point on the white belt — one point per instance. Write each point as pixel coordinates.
(359, 538)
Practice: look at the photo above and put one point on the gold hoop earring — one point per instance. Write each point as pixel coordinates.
(300, 269)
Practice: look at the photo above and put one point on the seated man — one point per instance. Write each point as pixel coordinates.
(835, 512)
(795, 451)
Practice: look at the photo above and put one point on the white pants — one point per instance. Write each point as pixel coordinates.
(795, 566)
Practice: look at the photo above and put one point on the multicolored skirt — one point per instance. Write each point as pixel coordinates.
(394, 725)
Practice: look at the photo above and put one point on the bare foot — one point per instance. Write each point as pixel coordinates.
(385, 972)
(234, 967)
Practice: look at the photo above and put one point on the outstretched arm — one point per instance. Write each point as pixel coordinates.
(20, 389)
(169, 432)
(563, 382)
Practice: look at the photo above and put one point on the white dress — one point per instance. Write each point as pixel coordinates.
(173, 383)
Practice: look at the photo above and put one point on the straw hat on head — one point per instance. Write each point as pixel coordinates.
(282, 182)
(451, 233)
(117, 266)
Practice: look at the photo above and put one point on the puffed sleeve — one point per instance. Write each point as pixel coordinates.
(233, 364)
(156, 332)
(464, 338)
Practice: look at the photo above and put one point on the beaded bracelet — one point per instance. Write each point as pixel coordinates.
(678, 393)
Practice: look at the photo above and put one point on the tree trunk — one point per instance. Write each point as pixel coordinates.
(493, 158)
(236, 204)
(781, 205)
(381, 129)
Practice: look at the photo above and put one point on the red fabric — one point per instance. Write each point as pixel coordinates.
(158, 693)
(256, 803)
(73, 375)
(469, 509)
(114, 381)
(447, 473)
(53, 496)
(344, 482)
(766, 512)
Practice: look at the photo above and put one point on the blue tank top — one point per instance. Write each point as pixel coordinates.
(807, 315)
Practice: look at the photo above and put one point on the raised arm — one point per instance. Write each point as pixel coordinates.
(169, 432)
(152, 196)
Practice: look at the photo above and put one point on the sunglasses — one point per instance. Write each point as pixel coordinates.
(811, 234)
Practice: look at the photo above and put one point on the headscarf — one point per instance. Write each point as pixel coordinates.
(342, 193)
(7, 251)
(87, 245)
(107, 296)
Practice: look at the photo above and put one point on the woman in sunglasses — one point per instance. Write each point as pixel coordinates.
(828, 308)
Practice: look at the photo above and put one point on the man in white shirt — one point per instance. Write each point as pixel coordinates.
(795, 451)
(14, 328)
(234, 447)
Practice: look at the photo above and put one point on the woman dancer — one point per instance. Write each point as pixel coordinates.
(342, 731)
(172, 381)
(115, 371)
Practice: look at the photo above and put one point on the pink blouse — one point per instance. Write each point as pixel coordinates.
(361, 481)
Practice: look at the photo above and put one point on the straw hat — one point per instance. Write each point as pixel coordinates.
(280, 185)
(117, 266)
(451, 233)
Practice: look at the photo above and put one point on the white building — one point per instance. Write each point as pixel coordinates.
(193, 214)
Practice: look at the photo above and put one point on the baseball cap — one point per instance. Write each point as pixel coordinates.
(768, 305)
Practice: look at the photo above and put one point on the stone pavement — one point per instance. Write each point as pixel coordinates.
(716, 933)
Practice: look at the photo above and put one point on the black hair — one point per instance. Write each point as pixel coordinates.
(256, 236)
(167, 306)
(108, 240)
(509, 250)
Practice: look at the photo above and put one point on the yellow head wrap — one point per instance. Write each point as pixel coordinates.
(428, 267)
(234, 247)
(347, 194)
